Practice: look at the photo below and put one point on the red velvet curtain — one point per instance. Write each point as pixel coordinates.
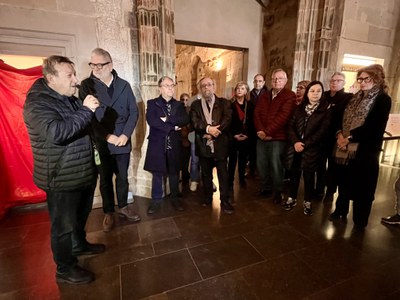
(16, 161)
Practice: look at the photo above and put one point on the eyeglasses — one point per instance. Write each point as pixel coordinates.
(206, 85)
(278, 79)
(98, 66)
(168, 86)
(365, 79)
(336, 80)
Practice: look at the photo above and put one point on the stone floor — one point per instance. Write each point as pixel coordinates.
(260, 252)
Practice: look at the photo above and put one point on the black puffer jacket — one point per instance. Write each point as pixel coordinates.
(312, 133)
(62, 149)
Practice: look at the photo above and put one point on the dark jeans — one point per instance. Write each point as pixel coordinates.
(207, 164)
(269, 164)
(157, 181)
(185, 153)
(114, 164)
(68, 215)
(309, 179)
(238, 153)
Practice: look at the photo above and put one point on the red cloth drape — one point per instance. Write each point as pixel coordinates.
(16, 161)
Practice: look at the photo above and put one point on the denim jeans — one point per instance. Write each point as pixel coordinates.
(68, 215)
(194, 164)
(269, 164)
(114, 164)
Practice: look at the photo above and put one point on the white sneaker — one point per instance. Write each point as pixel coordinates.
(193, 186)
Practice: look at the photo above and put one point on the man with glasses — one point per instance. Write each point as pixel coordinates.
(211, 117)
(271, 116)
(338, 99)
(115, 121)
(165, 116)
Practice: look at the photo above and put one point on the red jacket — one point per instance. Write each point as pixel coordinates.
(272, 116)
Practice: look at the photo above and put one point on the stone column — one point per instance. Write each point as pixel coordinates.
(318, 33)
(155, 20)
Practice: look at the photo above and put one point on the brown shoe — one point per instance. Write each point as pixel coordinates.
(129, 213)
(108, 222)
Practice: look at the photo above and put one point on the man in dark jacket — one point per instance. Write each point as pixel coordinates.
(57, 124)
(211, 117)
(271, 116)
(165, 116)
(338, 99)
(115, 121)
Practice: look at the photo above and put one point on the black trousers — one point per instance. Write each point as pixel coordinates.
(207, 165)
(114, 164)
(68, 215)
(238, 153)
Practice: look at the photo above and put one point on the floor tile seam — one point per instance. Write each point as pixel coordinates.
(196, 266)
(259, 253)
(215, 241)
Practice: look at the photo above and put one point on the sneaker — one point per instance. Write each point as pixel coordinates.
(193, 186)
(129, 213)
(391, 220)
(289, 204)
(307, 208)
(108, 222)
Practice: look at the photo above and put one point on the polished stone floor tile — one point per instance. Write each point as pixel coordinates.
(284, 277)
(158, 274)
(277, 240)
(260, 252)
(230, 286)
(224, 256)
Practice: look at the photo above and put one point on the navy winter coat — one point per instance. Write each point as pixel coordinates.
(156, 159)
(117, 115)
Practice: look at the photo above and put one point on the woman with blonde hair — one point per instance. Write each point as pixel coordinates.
(242, 131)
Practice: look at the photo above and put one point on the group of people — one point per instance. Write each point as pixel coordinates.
(275, 131)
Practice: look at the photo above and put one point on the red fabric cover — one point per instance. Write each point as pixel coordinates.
(16, 161)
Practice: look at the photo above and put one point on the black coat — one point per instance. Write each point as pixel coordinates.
(156, 158)
(237, 126)
(312, 133)
(221, 115)
(61, 146)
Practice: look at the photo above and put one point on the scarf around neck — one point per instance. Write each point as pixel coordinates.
(354, 116)
(208, 116)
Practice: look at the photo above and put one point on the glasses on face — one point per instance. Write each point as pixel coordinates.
(98, 66)
(278, 79)
(168, 86)
(336, 80)
(365, 79)
(204, 85)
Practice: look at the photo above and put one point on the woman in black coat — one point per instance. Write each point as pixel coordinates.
(359, 142)
(242, 130)
(307, 132)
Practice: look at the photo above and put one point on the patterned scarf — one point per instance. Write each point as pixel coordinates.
(208, 116)
(354, 116)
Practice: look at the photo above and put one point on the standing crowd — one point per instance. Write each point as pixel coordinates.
(331, 139)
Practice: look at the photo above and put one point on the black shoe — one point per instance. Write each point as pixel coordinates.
(264, 193)
(328, 197)
(177, 205)
(206, 203)
(278, 198)
(336, 216)
(154, 206)
(76, 275)
(227, 208)
(391, 220)
(89, 249)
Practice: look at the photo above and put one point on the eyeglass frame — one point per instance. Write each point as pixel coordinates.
(367, 79)
(279, 79)
(168, 86)
(204, 85)
(99, 65)
(336, 80)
